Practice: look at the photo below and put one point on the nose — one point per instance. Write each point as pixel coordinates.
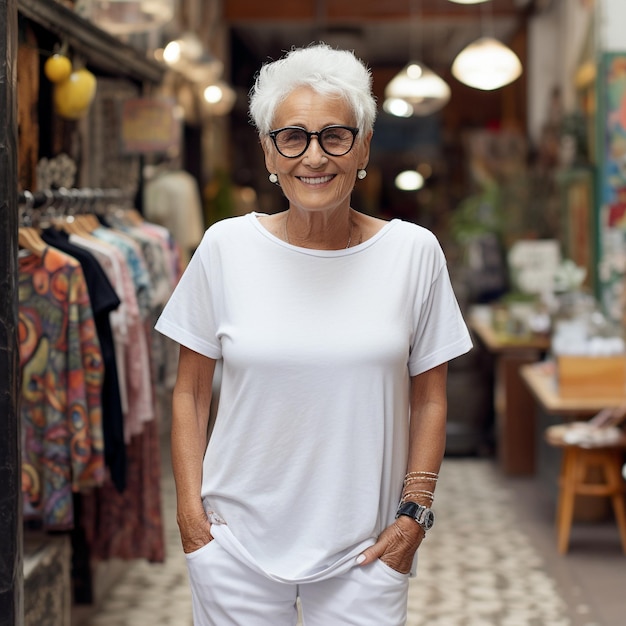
(314, 153)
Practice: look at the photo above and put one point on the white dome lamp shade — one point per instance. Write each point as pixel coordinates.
(420, 87)
(486, 64)
(469, 1)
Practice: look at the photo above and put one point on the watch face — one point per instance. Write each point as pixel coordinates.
(429, 520)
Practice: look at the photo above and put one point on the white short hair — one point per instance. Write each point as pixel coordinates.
(325, 70)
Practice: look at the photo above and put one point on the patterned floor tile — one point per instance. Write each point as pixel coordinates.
(476, 568)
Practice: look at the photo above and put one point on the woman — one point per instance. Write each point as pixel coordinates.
(334, 328)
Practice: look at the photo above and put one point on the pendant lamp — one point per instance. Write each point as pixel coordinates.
(469, 1)
(486, 64)
(416, 89)
(418, 86)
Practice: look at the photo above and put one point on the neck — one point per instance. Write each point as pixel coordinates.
(330, 233)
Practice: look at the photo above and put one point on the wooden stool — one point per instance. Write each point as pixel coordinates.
(576, 463)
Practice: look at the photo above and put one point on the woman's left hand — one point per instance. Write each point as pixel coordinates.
(396, 545)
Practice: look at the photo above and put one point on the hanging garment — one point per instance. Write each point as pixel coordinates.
(103, 300)
(61, 387)
(138, 367)
(155, 243)
(173, 200)
(112, 262)
(129, 525)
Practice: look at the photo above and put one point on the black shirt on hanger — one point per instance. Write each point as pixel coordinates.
(104, 299)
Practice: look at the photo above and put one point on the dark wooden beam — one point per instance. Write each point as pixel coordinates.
(236, 11)
(11, 562)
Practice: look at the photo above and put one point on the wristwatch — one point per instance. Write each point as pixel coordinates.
(420, 513)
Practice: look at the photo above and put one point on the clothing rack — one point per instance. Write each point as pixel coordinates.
(72, 197)
(38, 206)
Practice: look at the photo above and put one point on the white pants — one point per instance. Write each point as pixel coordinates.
(226, 592)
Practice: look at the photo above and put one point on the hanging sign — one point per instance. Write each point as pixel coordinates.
(149, 126)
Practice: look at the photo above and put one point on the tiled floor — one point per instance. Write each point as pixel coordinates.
(491, 561)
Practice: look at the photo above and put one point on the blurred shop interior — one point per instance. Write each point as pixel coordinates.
(501, 128)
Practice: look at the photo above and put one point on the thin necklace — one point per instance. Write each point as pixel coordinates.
(349, 234)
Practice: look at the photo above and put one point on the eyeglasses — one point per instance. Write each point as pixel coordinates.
(293, 141)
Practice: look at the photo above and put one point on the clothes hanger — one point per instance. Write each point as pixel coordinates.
(73, 225)
(134, 216)
(122, 206)
(74, 222)
(28, 237)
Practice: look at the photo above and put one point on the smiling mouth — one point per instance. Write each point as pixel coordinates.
(317, 180)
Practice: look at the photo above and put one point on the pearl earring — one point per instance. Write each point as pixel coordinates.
(361, 174)
(273, 178)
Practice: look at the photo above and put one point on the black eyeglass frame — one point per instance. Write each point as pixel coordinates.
(311, 133)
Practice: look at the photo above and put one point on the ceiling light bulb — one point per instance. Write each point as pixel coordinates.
(219, 98)
(414, 71)
(397, 107)
(171, 52)
(486, 64)
(213, 94)
(409, 180)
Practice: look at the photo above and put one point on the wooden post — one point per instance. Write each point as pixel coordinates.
(11, 561)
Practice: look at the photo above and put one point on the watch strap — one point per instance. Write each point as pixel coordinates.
(420, 513)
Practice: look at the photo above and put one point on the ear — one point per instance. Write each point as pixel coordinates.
(270, 155)
(364, 148)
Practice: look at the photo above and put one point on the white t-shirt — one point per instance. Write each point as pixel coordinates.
(307, 457)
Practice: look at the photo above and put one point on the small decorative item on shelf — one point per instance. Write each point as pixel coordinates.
(589, 350)
(56, 172)
(57, 67)
(74, 95)
(124, 17)
(74, 87)
(512, 315)
(569, 277)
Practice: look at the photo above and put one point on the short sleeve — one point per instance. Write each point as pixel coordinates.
(440, 332)
(189, 315)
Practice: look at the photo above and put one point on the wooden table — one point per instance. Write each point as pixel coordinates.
(551, 409)
(542, 383)
(513, 403)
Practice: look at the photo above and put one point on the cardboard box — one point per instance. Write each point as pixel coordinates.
(591, 377)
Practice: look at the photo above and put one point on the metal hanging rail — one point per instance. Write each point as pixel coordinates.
(37, 199)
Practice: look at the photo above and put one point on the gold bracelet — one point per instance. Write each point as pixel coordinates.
(421, 493)
(431, 475)
(409, 481)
